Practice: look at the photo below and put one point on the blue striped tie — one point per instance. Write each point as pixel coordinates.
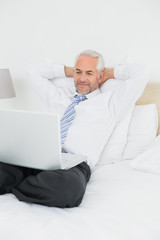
(68, 117)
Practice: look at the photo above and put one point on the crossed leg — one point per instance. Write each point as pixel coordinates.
(58, 188)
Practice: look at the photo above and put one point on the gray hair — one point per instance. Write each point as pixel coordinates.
(92, 53)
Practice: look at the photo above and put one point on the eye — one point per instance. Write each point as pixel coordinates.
(78, 72)
(89, 73)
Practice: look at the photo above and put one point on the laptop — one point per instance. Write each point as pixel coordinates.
(32, 139)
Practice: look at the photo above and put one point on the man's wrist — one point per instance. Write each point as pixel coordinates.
(108, 73)
(68, 71)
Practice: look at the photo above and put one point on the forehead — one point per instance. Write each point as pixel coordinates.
(85, 63)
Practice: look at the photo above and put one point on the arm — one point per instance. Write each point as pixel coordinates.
(40, 75)
(133, 79)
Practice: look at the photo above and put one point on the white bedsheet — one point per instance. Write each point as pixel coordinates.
(119, 204)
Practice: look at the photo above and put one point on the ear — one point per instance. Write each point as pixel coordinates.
(101, 78)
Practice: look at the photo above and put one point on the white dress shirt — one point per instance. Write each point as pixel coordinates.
(96, 117)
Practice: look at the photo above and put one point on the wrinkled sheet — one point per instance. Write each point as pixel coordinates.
(120, 203)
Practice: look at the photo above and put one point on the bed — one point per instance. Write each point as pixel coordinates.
(122, 199)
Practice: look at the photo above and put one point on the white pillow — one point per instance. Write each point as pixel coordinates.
(150, 159)
(142, 130)
(113, 149)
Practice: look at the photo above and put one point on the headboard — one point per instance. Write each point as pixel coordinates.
(151, 94)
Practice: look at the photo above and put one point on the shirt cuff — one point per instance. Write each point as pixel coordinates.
(120, 72)
(59, 70)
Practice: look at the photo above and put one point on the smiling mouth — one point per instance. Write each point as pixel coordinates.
(83, 84)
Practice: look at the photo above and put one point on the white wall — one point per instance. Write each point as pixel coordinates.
(32, 30)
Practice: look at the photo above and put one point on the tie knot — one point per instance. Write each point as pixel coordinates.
(80, 98)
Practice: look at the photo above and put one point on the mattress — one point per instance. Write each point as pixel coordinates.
(119, 203)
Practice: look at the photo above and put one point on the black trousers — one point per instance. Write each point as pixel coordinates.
(57, 188)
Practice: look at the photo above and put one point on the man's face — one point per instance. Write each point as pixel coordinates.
(86, 78)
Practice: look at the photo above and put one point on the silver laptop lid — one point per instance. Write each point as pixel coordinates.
(30, 139)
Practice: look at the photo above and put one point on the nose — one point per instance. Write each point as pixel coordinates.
(82, 77)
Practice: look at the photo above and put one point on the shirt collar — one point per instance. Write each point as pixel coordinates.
(90, 95)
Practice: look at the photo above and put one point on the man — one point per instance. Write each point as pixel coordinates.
(96, 114)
